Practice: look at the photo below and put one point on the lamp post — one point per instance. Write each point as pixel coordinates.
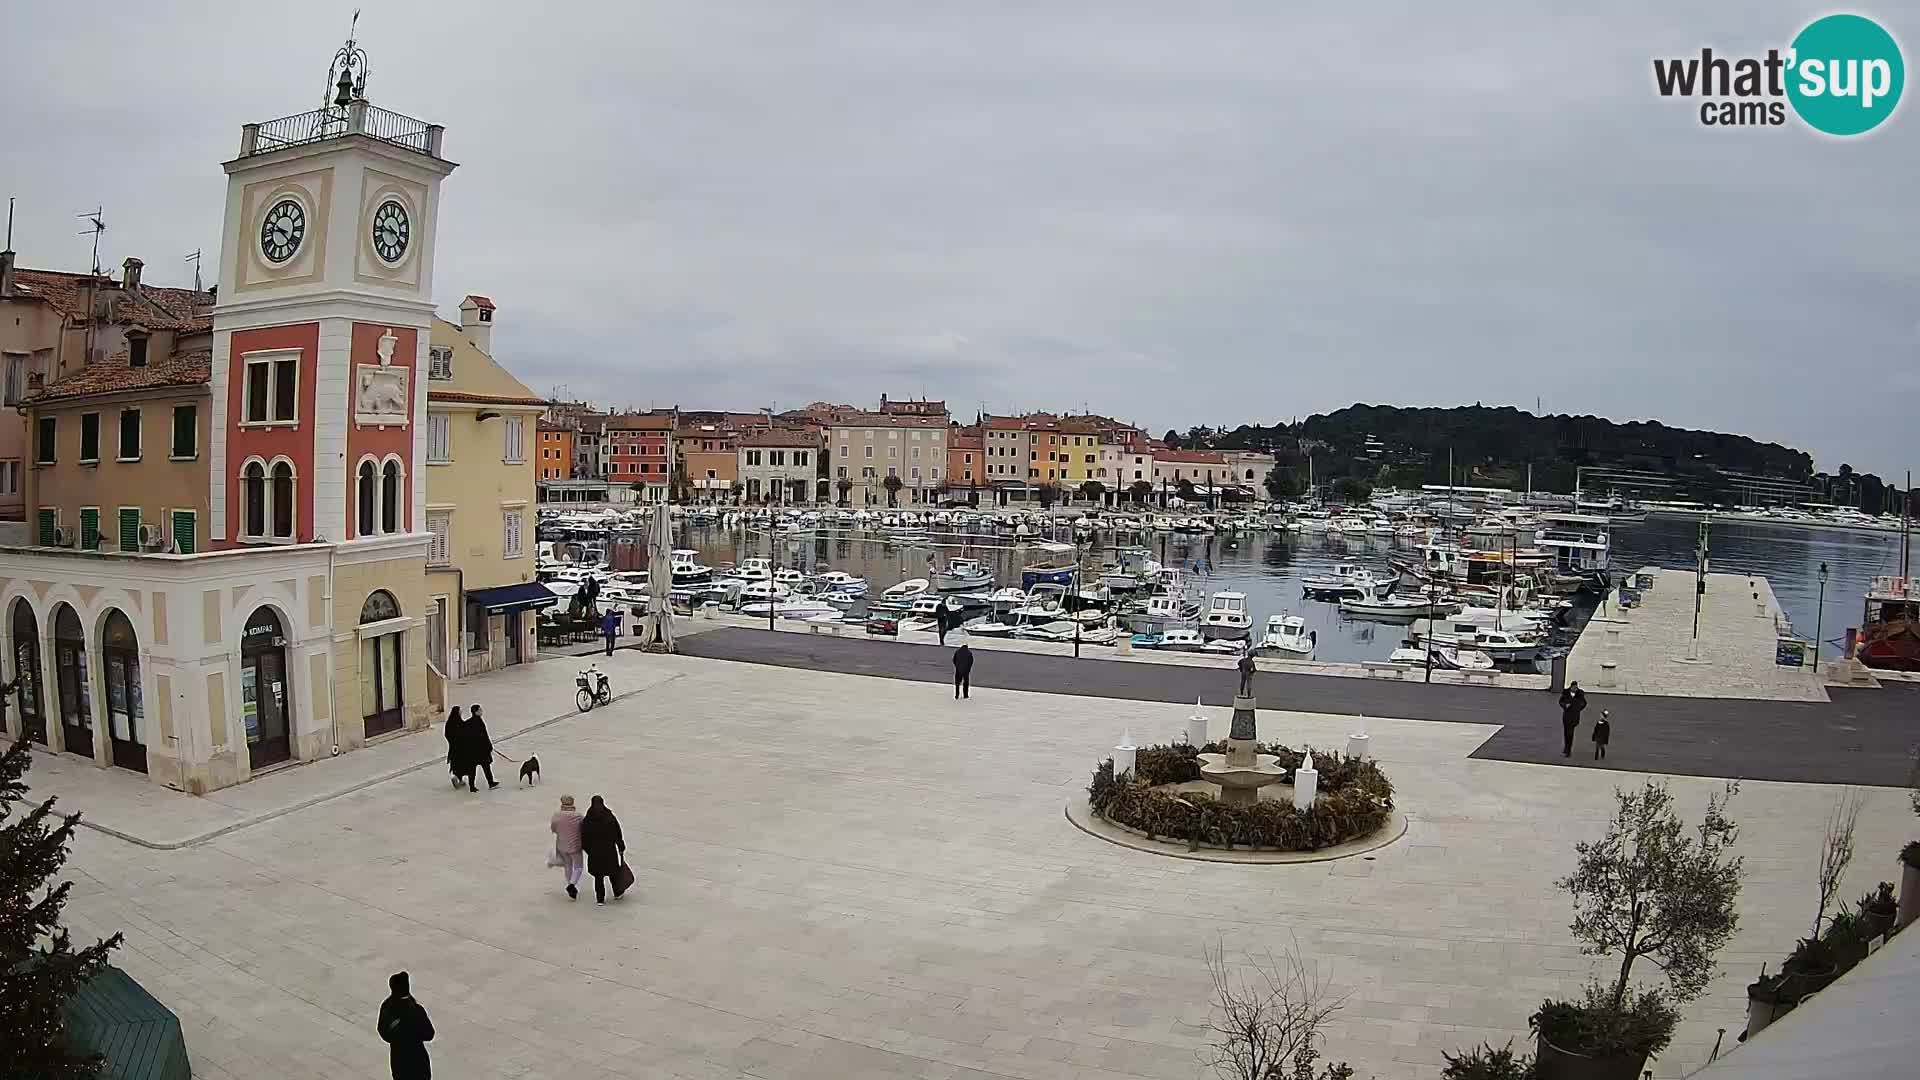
(770, 571)
(1819, 618)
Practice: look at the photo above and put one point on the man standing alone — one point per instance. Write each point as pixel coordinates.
(1572, 701)
(405, 1027)
(962, 671)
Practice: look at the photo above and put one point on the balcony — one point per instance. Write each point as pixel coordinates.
(359, 118)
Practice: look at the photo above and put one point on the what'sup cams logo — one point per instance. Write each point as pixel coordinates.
(1842, 76)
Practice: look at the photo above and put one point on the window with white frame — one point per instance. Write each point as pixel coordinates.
(510, 547)
(439, 438)
(516, 440)
(439, 527)
(272, 389)
(390, 496)
(267, 501)
(10, 477)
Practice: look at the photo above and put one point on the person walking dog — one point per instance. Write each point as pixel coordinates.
(1573, 701)
(565, 826)
(407, 1030)
(1602, 734)
(479, 749)
(962, 671)
(604, 846)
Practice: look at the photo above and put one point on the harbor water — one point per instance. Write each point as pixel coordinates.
(1269, 566)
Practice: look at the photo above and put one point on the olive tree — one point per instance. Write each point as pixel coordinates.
(1649, 889)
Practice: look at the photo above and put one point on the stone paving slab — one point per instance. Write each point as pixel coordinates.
(1862, 736)
(854, 877)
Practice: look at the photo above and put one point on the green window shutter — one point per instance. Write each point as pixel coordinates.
(129, 528)
(47, 522)
(183, 531)
(90, 529)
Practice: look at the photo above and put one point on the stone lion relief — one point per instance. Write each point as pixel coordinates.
(380, 390)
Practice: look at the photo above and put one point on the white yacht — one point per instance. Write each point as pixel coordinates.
(1226, 617)
(1288, 634)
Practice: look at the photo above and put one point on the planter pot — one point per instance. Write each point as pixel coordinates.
(1553, 1063)
(1797, 983)
(1909, 896)
(1878, 922)
(1850, 953)
(1764, 1005)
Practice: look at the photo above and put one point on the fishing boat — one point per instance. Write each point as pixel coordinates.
(1578, 545)
(685, 566)
(840, 581)
(1180, 639)
(1376, 603)
(1053, 574)
(809, 608)
(962, 575)
(1157, 613)
(1890, 630)
(1288, 635)
(1226, 616)
(1504, 645)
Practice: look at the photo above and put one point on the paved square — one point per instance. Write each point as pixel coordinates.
(843, 876)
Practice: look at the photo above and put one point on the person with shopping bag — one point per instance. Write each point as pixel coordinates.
(605, 849)
(565, 826)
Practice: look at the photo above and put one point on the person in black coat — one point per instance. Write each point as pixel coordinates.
(1602, 734)
(604, 846)
(405, 1027)
(963, 671)
(1573, 701)
(479, 749)
(456, 745)
(941, 622)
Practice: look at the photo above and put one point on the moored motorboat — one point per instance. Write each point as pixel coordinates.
(1226, 616)
(1288, 635)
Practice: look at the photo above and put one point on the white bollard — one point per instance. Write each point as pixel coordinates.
(1123, 645)
(1123, 754)
(1306, 784)
(1357, 745)
(1197, 726)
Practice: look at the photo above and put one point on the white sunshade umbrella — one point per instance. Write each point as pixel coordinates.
(659, 627)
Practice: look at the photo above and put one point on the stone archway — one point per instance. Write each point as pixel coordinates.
(71, 681)
(120, 677)
(25, 630)
(266, 690)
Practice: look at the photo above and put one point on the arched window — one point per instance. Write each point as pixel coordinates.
(365, 497)
(70, 675)
(282, 499)
(26, 668)
(253, 499)
(380, 606)
(120, 674)
(390, 498)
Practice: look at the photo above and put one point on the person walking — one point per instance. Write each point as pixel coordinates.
(1602, 733)
(940, 621)
(479, 749)
(407, 1030)
(600, 839)
(456, 745)
(565, 826)
(1573, 701)
(610, 626)
(962, 671)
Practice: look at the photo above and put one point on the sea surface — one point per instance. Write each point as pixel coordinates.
(1269, 566)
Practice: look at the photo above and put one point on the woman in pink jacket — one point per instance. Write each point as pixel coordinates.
(566, 843)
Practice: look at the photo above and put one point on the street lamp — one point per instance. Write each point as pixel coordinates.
(1819, 618)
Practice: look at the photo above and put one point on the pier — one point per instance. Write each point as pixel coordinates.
(1650, 648)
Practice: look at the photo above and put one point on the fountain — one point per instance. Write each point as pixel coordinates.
(1240, 772)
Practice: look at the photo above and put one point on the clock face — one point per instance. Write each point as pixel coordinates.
(391, 231)
(282, 230)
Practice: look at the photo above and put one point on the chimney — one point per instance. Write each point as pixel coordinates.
(476, 322)
(6, 273)
(130, 278)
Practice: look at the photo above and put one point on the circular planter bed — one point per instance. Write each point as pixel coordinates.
(1165, 799)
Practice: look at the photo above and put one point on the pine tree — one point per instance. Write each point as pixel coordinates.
(39, 968)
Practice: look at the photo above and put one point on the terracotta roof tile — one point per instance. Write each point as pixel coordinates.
(889, 420)
(780, 437)
(151, 306)
(113, 376)
(483, 399)
(479, 301)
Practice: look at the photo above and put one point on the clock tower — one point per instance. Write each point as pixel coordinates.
(318, 375)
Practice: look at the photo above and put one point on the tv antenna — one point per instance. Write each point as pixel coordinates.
(194, 258)
(96, 224)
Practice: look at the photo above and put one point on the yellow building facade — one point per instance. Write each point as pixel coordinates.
(481, 464)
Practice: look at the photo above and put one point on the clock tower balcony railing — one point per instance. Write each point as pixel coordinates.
(334, 122)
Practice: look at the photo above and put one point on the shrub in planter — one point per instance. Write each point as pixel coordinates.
(1877, 910)
(1846, 938)
(1355, 800)
(1599, 1039)
(1768, 999)
(1811, 966)
(1486, 1063)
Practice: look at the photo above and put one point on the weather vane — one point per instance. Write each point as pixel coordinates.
(347, 74)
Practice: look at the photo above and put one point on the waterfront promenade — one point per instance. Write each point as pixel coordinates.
(1861, 736)
(843, 876)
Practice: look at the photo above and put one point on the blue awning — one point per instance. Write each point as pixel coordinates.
(527, 594)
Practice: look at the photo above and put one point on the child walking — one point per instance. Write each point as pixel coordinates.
(1602, 731)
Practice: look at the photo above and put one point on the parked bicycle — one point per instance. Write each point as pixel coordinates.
(594, 689)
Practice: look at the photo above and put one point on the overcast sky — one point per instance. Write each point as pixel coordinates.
(1177, 213)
